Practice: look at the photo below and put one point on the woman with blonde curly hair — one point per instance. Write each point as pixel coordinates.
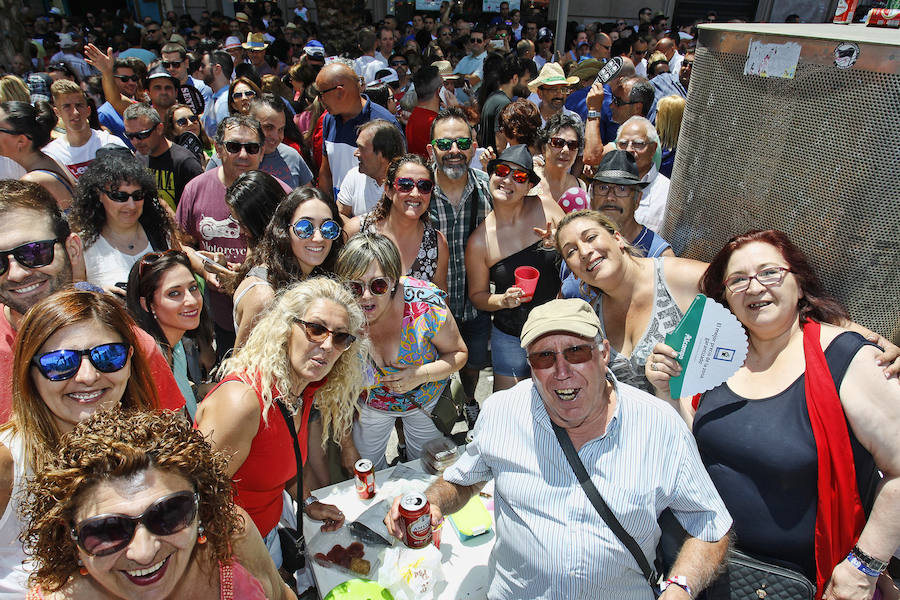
(76, 353)
(305, 350)
(121, 468)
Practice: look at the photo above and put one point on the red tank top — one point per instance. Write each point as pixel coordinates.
(258, 482)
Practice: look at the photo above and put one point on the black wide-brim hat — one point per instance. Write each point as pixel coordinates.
(619, 167)
(519, 156)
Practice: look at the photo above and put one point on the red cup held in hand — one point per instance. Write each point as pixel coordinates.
(526, 280)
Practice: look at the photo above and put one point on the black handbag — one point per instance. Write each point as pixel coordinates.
(650, 575)
(748, 577)
(293, 544)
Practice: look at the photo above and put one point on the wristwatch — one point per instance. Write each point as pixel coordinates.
(678, 581)
(866, 563)
(594, 114)
(308, 501)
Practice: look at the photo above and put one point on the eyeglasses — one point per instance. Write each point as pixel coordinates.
(10, 131)
(171, 64)
(399, 63)
(107, 534)
(619, 102)
(518, 175)
(127, 78)
(183, 121)
(477, 41)
(304, 229)
(559, 90)
(444, 144)
(60, 365)
(240, 95)
(558, 142)
(140, 135)
(406, 185)
(769, 277)
(119, 196)
(331, 89)
(319, 333)
(379, 286)
(574, 355)
(30, 255)
(235, 147)
(603, 189)
(636, 144)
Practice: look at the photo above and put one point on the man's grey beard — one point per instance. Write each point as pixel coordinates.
(455, 171)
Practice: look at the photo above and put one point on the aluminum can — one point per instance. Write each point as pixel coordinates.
(365, 478)
(845, 10)
(416, 514)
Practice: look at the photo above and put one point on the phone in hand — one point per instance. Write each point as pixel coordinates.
(610, 70)
(497, 44)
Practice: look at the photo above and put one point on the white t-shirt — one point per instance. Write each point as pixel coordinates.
(10, 169)
(78, 158)
(106, 266)
(360, 192)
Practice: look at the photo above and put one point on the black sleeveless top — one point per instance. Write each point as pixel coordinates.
(761, 456)
(511, 320)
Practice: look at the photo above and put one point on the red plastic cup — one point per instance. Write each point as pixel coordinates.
(526, 279)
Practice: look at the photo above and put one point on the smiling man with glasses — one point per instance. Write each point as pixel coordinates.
(638, 136)
(204, 215)
(572, 409)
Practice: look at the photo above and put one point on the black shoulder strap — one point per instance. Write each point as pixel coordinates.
(289, 421)
(605, 513)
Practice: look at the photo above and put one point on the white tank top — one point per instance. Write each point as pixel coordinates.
(14, 564)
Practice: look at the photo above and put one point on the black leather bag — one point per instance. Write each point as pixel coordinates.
(293, 544)
(747, 577)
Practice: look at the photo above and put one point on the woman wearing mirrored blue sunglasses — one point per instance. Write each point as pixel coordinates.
(75, 354)
(402, 215)
(302, 239)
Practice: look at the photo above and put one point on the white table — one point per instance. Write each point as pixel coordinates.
(465, 564)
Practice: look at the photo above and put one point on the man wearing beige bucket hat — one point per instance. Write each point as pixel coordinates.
(552, 87)
(637, 453)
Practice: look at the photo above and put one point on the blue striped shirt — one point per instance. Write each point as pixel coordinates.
(551, 543)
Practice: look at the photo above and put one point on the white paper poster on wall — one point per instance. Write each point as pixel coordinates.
(772, 60)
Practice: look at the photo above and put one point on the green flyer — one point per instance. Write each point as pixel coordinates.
(711, 346)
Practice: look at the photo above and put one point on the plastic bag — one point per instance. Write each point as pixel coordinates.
(411, 574)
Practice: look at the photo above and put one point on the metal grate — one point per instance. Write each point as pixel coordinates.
(817, 156)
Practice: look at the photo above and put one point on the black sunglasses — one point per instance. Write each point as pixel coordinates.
(406, 185)
(106, 534)
(444, 144)
(127, 78)
(319, 333)
(574, 355)
(379, 286)
(235, 147)
(304, 229)
(171, 64)
(183, 121)
(30, 255)
(140, 135)
(619, 102)
(398, 63)
(120, 196)
(63, 364)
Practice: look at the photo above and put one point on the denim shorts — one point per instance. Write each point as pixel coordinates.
(476, 333)
(508, 355)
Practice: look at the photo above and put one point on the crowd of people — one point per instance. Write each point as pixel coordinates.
(227, 238)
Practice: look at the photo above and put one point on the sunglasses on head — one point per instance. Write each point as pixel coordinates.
(240, 95)
(183, 121)
(235, 147)
(30, 255)
(558, 142)
(406, 185)
(518, 175)
(574, 355)
(444, 144)
(127, 78)
(319, 333)
(304, 229)
(140, 135)
(106, 534)
(379, 286)
(119, 196)
(63, 364)
(171, 64)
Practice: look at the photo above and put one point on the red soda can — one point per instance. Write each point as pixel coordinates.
(416, 514)
(844, 11)
(365, 479)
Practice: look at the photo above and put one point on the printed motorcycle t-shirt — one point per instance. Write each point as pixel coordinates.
(78, 158)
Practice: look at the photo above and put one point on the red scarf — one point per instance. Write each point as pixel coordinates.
(839, 514)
